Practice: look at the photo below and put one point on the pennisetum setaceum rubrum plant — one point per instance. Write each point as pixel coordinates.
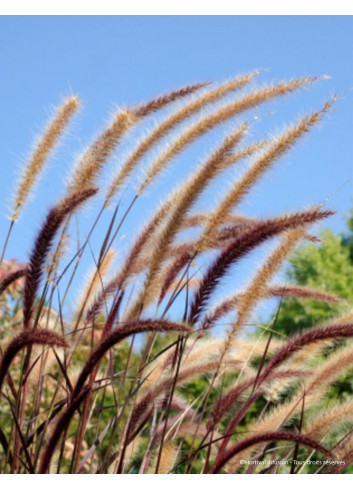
(132, 380)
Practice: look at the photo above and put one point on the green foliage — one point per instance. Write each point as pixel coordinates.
(328, 267)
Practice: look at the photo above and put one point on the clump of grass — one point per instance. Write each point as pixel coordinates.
(81, 393)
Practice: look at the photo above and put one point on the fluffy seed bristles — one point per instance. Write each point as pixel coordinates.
(183, 254)
(42, 246)
(268, 437)
(315, 385)
(312, 336)
(257, 289)
(220, 115)
(169, 457)
(221, 240)
(158, 103)
(329, 420)
(329, 370)
(91, 162)
(248, 350)
(241, 188)
(241, 246)
(148, 233)
(168, 124)
(131, 452)
(135, 263)
(198, 358)
(184, 198)
(303, 292)
(312, 349)
(283, 144)
(347, 317)
(278, 417)
(200, 219)
(228, 400)
(174, 211)
(26, 338)
(287, 291)
(131, 264)
(43, 149)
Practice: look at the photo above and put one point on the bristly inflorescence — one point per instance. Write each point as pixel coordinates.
(43, 244)
(122, 372)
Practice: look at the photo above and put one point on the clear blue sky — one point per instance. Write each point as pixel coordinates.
(120, 60)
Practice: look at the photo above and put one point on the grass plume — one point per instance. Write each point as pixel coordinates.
(43, 244)
(42, 151)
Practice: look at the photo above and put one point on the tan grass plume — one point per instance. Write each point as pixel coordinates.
(280, 145)
(169, 123)
(257, 289)
(42, 151)
(168, 458)
(91, 162)
(218, 116)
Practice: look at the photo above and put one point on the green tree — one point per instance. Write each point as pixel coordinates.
(327, 267)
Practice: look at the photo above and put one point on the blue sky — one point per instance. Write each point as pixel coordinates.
(111, 60)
